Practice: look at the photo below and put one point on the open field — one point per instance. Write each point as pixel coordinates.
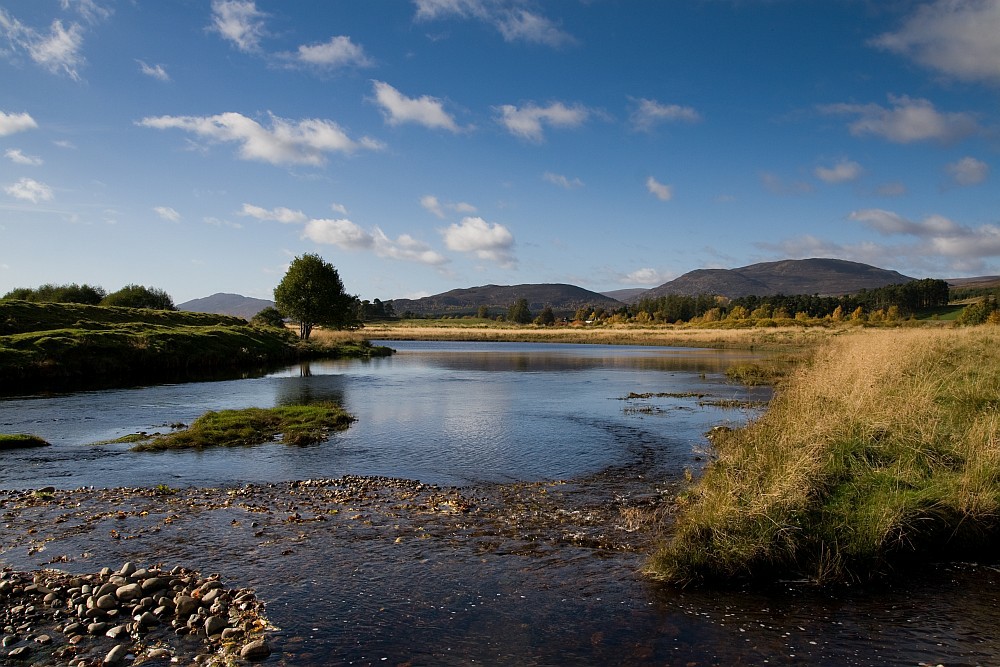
(884, 448)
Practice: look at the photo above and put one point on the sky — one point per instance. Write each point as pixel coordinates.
(198, 146)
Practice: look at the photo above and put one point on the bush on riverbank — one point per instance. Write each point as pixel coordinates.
(296, 424)
(885, 448)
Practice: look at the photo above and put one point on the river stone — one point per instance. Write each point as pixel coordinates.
(20, 653)
(97, 627)
(186, 605)
(146, 620)
(153, 584)
(127, 569)
(129, 592)
(44, 640)
(255, 650)
(116, 656)
(214, 625)
(116, 632)
(208, 598)
(106, 602)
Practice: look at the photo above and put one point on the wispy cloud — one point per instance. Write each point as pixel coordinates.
(15, 122)
(647, 276)
(424, 110)
(647, 114)
(528, 122)
(167, 213)
(562, 181)
(59, 51)
(345, 234)
(906, 121)
(28, 189)
(661, 191)
(17, 157)
(335, 53)
(91, 11)
(155, 71)
(240, 22)
(937, 235)
(844, 171)
(513, 19)
(778, 186)
(433, 205)
(286, 142)
(968, 171)
(492, 242)
(279, 214)
(955, 37)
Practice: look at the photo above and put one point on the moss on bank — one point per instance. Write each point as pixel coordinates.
(20, 440)
(884, 449)
(47, 344)
(295, 424)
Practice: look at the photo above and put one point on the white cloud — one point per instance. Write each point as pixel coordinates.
(279, 214)
(341, 232)
(843, 171)
(888, 223)
(405, 247)
(31, 190)
(58, 51)
(216, 222)
(527, 122)
(338, 208)
(955, 37)
(15, 122)
(167, 213)
(88, 9)
(659, 190)
(908, 120)
(287, 142)
(647, 276)
(510, 17)
(650, 113)
(963, 246)
(425, 110)
(562, 181)
(433, 205)
(968, 171)
(240, 22)
(155, 71)
(492, 242)
(17, 157)
(334, 53)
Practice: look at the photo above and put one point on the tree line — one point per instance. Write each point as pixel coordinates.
(130, 296)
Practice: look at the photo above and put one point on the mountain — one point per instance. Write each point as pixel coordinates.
(826, 277)
(624, 295)
(226, 304)
(564, 300)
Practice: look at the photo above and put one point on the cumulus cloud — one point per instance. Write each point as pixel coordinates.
(279, 214)
(28, 189)
(431, 204)
(17, 157)
(968, 171)
(167, 213)
(240, 22)
(514, 21)
(335, 53)
(647, 114)
(906, 121)
(156, 71)
(562, 181)
(528, 121)
(407, 248)
(57, 51)
(661, 191)
(340, 232)
(492, 242)
(647, 276)
(425, 110)
(955, 37)
(15, 122)
(843, 171)
(888, 223)
(286, 142)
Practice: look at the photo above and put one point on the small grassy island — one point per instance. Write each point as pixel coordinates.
(884, 449)
(45, 345)
(20, 440)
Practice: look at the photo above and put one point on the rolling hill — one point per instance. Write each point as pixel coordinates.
(220, 303)
(564, 300)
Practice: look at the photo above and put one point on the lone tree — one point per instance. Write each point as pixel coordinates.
(519, 312)
(312, 293)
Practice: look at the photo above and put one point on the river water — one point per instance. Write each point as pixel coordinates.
(560, 455)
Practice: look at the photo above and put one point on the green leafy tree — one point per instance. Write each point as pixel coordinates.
(519, 312)
(50, 293)
(483, 312)
(137, 296)
(311, 293)
(269, 317)
(546, 317)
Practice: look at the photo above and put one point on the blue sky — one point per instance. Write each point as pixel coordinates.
(198, 146)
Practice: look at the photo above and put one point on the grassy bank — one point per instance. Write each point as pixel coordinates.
(20, 441)
(295, 424)
(47, 344)
(885, 448)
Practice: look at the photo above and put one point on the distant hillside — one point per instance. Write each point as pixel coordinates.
(625, 295)
(236, 305)
(826, 277)
(564, 300)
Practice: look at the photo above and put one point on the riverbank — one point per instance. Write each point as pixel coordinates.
(47, 345)
(883, 450)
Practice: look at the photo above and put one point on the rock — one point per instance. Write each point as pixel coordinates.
(147, 620)
(129, 592)
(44, 640)
(255, 650)
(97, 628)
(214, 625)
(186, 605)
(116, 632)
(106, 602)
(115, 656)
(153, 584)
(20, 653)
(127, 569)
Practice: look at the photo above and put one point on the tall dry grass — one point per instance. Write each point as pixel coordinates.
(885, 446)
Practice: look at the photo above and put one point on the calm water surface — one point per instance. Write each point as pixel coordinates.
(477, 415)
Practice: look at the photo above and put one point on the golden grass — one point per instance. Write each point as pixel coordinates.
(883, 446)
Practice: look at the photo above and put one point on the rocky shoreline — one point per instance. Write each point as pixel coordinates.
(146, 616)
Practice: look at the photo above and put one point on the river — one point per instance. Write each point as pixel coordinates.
(560, 457)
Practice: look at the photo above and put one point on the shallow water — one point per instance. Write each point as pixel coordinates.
(537, 572)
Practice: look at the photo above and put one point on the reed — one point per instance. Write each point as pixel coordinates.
(884, 448)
